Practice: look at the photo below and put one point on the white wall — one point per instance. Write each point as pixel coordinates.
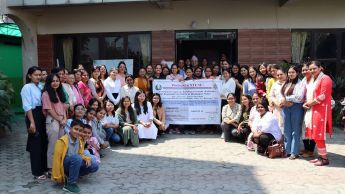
(209, 14)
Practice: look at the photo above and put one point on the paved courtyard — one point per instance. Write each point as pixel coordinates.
(181, 164)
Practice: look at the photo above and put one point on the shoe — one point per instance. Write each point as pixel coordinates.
(171, 131)
(192, 132)
(222, 136)
(72, 188)
(307, 154)
(177, 131)
(42, 177)
(293, 157)
(321, 162)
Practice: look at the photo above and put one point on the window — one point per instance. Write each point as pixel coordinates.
(89, 49)
(326, 45)
(114, 47)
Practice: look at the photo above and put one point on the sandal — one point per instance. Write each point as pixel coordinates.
(42, 177)
(314, 160)
(322, 162)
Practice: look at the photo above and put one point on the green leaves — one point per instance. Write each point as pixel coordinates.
(6, 95)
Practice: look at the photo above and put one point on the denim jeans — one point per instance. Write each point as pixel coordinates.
(292, 128)
(112, 136)
(75, 166)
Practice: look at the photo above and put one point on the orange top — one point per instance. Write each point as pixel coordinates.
(142, 83)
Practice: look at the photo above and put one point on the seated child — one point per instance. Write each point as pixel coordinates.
(69, 159)
(111, 123)
(92, 146)
(98, 130)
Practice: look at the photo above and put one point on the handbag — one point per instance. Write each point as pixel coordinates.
(275, 150)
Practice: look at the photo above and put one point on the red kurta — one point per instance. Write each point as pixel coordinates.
(321, 112)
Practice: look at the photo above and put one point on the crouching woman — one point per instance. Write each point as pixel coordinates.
(265, 127)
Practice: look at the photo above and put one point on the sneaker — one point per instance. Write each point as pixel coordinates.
(72, 188)
(222, 136)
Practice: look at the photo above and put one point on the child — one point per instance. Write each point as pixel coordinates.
(97, 128)
(111, 123)
(91, 144)
(69, 159)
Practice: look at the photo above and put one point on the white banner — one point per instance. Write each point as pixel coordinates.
(190, 102)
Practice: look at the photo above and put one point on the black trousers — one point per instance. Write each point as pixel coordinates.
(37, 143)
(227, 130)
(309, 144)
(242, 136)
(263, 141)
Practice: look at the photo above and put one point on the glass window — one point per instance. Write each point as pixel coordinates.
(326, 45)
(114, 48)
(139, 49)
(343, 45)
(89, 49)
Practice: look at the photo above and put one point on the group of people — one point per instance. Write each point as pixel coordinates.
(71, 116)
(281, 107)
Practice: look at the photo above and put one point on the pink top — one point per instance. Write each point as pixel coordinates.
(85, 92)
(48, 105)
(176, 77)
(78, 96)
(122, 79)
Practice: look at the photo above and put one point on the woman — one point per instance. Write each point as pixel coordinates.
(83, 87)
(321, 112)
(128, 122)
(110, 123)
(142, 82)
(253, 112)
(235, 73)
(249, 87)
(122, 71)
(53, 100)
(158, 73)
(74, 97)
(198, 73)
(113, 86)
(208, 73)
(35, 123)
(77, 75)
(270, 81)
(78, 114)
(293, 94)
(276, 98)
(243, 129)
(165, 71)
(93, 103)
(143, 108)
(96, 85)
(129, 89)
(158, 113)
(231, 115)
(308, 81)
(263, 71)
(216, 72)
(174, 74)
(189, 74)
(265, 127)
(228, 86)
(103, 73)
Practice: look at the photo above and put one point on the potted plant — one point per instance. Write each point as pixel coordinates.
(6, 95)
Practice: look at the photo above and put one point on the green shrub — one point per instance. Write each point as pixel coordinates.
(6, 95)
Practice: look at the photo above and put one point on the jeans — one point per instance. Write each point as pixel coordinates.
(292, 128)
(75, 166)
(112, 136)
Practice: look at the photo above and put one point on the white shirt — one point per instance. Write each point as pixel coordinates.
(31, 96)
(298, 93)
(145, 117)
(112, 86)
(129, 91)
(108, 119)
(252, 114)
(72, 99)
(267, 124)
(228, 87)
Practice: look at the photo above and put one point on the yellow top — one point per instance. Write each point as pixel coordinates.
(61, 147)
(270, 82)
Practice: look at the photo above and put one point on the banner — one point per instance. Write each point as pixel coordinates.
(190, 102)
(114, 63)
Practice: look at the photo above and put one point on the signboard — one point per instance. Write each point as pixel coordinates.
(190, 102)
(114, 63)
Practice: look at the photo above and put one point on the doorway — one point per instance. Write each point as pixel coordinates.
(209, 45)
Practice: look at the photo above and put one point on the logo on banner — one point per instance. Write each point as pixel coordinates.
(158, 87)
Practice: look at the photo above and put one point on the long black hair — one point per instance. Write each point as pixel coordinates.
(292, 81)
(120, 63)
(31, 70)
(105, 107)
(57, 95)
(159, 104)
(130, 109)
(250, 105)
(137, 105)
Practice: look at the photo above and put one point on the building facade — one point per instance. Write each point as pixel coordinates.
(247, 31)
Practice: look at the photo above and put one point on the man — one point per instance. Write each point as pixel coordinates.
(69, 159)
